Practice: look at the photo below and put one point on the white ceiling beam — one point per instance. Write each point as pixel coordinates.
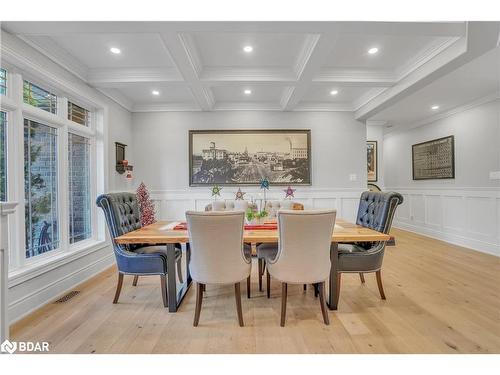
(188, 64)
(165, 107)
(104, 76)
(118, 97)
(317, 54)
(481, 37)
(356, 77)
(238, 74)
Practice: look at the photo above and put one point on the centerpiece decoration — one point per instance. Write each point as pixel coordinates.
(256, 217)
(146, 206)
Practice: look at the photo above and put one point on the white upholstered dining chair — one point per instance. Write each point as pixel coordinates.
(217, 256)
(303, 252)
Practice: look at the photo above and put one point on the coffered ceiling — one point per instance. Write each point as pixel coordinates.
(291, 66)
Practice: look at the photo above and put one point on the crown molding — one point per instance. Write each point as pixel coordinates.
(237, 74)
(433, 49)
(166, 107)
(357, 77)
(285, 96)
(48, 47)
(376, 123)
(323, 107)
(105, 76)
(117, 97)
(191, 51)
(305, 54)
(367, 97)
(247, 106)
(429, 120)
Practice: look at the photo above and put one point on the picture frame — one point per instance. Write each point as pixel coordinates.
(434, 159)
(372, 161)
(244, 157)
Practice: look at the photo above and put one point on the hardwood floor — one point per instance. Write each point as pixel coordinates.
(440, 299)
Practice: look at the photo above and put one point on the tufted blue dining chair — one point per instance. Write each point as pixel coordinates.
(376, 211)
(122, 216)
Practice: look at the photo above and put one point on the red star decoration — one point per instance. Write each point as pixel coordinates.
(240, 194)
(289, 192)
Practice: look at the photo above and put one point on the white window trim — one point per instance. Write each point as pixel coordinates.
(21, 268)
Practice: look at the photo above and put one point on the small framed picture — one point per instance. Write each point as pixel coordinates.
(372, 160)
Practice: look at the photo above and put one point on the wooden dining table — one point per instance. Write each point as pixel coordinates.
(163, 233)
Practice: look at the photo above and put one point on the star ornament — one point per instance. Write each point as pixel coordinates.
(216, 190)
(240, 194)
(264, 183)
(289, 192)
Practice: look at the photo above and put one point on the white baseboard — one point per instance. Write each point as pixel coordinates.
(25, 298)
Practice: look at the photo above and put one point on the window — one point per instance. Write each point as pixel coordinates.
(40, 188)
(79, 188)
(3, 156)
(3, 82)
(78, 114)
(38, 97)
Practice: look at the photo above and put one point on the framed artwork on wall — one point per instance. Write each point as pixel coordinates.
(244, 157)
(434, 160)
(372, 160)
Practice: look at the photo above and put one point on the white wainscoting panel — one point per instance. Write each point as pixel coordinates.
(468, 217)
(172, 204)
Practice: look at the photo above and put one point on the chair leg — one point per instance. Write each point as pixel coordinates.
(260, 261)
(268, 282)
(337, 295)
(118, 287)
(362, 277)
(199, 298)
(248, 286)
(305, 287)
(136, 278)
(379, 283)
(237, 296)
(316, 290)
(322, 302)
(164, 293)
(179, 270)
(283, 303)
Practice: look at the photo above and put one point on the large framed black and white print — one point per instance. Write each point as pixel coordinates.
(434, 159)
(372, 160)
(244, 157)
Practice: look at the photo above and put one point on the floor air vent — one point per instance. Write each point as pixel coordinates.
(68, 296)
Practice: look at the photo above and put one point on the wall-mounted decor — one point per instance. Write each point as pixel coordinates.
(245, 157)
(434, 159)
(122, 165)
(372, 160)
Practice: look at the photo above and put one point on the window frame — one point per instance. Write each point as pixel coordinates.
(22, 268)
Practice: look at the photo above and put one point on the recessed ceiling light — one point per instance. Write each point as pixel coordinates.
(248, 49)
(155, 92)
(334, 92)
(247, 92)
(373, 50)
(115, 50)
(435, 107)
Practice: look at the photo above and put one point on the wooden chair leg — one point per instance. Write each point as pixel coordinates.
(136, 278)
(322, 302)
(164, 293)
(316, 290)
(362, 277)
(283, 303)
(260, 267)
(237, 296)
(118, 287)
(199, 298)
(268, 282)
(305, 287)
(337, 295)
(379, 283)
(248, 286)
(179, 270)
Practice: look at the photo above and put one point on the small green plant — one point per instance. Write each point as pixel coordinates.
(251, 215)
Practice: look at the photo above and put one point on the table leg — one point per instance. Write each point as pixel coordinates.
(332, 290)
(175, 297)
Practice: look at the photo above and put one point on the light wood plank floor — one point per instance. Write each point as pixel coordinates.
(440, 299)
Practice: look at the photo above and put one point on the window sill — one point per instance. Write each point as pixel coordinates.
(21, 275)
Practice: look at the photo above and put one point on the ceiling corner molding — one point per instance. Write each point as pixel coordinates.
(117, 97)
(366, 97)
(356, 77)
(165, 107)
(305, 54)
(376, 123)
(104, 76)
(285, 97)
(323, 107)
(192, 53)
